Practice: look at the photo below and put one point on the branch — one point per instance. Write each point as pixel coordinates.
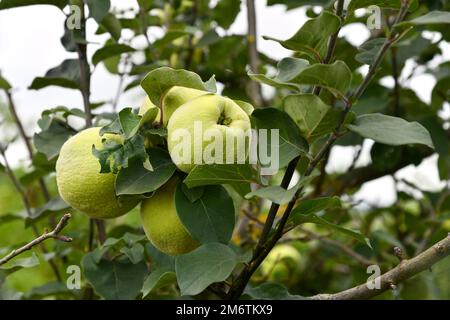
(361, 259)
(264, 248)
(333, 41)
(28, 208)
(370, 172)
(85, 73)
(26, 140)
(255, 88)
(405, 270)
(46, 235)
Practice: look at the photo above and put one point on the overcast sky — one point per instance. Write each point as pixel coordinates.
(30, 45)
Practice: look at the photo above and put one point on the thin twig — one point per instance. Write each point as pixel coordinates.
(85, 86)
(255, 87)
(28, 208)
(26, 140)
(46, 235)
(363, 260)
(405, 270)
(333, 40)
(85, 70)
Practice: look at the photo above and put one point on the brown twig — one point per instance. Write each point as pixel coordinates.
(27, 206)
(404, 271)
(46, 235)
(26, 140)
(85, 86)
(333, 41)
(254, 87)
(351, 253)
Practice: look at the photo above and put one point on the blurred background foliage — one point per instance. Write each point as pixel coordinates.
(194, 36)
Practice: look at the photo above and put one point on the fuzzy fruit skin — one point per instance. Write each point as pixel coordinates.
(281, 264)
(210, 110)
(146, 105)
(174, 98)
(80, 182)
(161, 223)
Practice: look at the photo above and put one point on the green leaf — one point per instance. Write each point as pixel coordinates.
(9, 217)
(158, 278)
(54, 288)
(109, 51)
(50, 140)
(119, 279)
(193, 194)
(135, 253)
(8, 4)
(433, 17)
(295, 72)
(135, 179)
(305, 212)
(208, 219)
(157, 82)
(18, 264)
(202, 175)
(270, 291)
(291, 144)
(335, 77)
(4, 84)
(278, 194)
(98, 9)
(160, 260)
(115, 156)
(312, 38)
(390, 130)
(288, 70)
(196, 270)
(315, 205)
(66, 75)
(129, 122)
(53, 206)
(247, 107)
(211, 86)
(369, 50)
(393, 4)
(111, 24)
(225, 12)
(307, 110)
(173, 34)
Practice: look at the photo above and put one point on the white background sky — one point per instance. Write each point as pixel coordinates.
(30, 45)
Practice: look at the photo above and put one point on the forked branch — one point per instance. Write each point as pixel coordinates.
(55, 234)
(405, 270)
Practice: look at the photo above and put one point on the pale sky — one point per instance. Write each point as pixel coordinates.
(30, 45)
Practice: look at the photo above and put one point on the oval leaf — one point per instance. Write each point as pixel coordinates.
(390, 130)
(196, 270)
(208, 219)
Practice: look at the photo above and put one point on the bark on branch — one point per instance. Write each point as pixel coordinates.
(46, 235)
(405, 270)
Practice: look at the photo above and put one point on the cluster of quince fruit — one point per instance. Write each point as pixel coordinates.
(84, 188)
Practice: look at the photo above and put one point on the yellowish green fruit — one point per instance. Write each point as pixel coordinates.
(280, 273)
(197, 128)
(176, 97)
(281, 263)
(161, 222)
(173, 99)
(446, 225)
(80, 182)
(146, 105)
